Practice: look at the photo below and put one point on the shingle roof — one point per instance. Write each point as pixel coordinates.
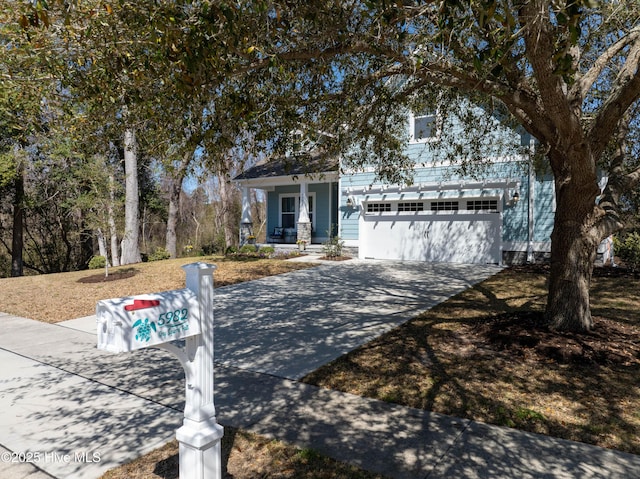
(294, 165)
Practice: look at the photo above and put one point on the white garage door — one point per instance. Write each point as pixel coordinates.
(435, 236)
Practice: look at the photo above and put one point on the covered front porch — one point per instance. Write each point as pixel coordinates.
(301, 198)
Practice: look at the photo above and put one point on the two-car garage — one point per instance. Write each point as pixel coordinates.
(458, 230)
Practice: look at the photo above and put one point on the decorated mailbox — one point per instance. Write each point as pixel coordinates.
(135, 322)
(130, 323)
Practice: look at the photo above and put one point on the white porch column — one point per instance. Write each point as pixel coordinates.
(304, 204)
(246, 223)
(246, 206)
(304, 222)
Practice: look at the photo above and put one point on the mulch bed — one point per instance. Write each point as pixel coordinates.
(525, 333)
(598, 272)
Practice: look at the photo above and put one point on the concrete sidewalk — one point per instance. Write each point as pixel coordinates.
(84, 411)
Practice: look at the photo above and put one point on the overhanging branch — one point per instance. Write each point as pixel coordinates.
(584, 84)
(612, 113)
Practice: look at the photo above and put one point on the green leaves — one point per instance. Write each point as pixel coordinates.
(8, 168)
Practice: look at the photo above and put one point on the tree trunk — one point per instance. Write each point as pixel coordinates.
(197, 233)
(574, 241)
(172, 219)
(572, 256)
(113, 232)
(130, 246)
(171, 237)
(87, 246)
(17, 243)
(227, 218)
(175, 188)
(102, 245)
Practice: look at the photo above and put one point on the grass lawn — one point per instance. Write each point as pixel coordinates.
(58, 297)
(484, 354)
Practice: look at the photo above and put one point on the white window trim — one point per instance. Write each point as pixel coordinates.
(312, 212)
(412, 124)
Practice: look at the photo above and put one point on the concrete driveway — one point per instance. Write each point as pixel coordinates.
(291, 324)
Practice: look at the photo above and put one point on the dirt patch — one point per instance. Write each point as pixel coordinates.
(607, 271)
(245, 456)
(526, 333)
(101, 278)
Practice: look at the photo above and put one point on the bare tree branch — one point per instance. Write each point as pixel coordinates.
(612, 112)
(582, 86)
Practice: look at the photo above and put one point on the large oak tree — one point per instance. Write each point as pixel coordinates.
(566, 70)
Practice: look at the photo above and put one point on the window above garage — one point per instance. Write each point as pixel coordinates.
(427, 206)
(411, 206)
(378, 207)
(482, 205)
(423, 127)
(445, 205)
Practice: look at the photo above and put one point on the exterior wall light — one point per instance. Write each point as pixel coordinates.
(515, 198)
(349, 202)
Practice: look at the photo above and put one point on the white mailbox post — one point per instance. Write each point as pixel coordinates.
(128, 324)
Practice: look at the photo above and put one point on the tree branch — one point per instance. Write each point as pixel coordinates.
(584, 84)
(539, 37)
(614, 109)
(619, 181)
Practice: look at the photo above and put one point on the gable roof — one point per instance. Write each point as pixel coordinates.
(311, 163)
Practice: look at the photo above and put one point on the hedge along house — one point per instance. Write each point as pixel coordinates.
(506, 215)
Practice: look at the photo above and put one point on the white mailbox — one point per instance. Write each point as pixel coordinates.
(135, 322)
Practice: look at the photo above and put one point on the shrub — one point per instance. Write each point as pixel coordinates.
(159, 254)
(629, 250)
(97, 262)
(218, 246)
(213, 248)
(267, 250)
(5, 266)
(332, 248)
(248, 249)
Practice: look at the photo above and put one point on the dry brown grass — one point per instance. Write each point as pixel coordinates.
(245, 456)
(58, 297)
(485, 355)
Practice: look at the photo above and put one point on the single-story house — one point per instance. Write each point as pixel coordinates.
(507, 216)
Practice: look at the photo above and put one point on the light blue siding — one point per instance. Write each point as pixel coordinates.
(544, 208)
(429, 169)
